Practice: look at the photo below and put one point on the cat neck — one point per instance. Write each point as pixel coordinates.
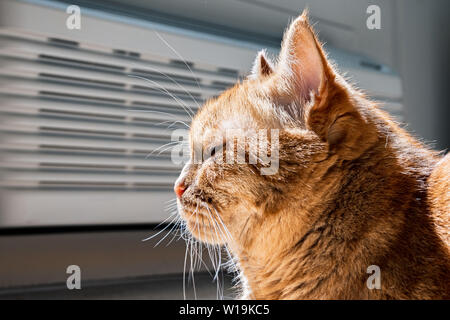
(298, 253)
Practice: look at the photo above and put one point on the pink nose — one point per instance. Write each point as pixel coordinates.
(179, 189)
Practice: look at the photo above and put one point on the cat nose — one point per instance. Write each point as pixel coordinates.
(179, 189)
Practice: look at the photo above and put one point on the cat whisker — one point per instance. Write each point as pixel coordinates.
(194, 254)
(171, 79)
(171, 216)
(172, 123)
(179, 56)
(219, 233)
(175, 233)
(160, 147)
(177, 83)
(184, 270)
(201, 262)
(220, 286)
(225, 229)
(198, 227)
(165, 113)
(168, 148)
(159, 232)
(151, 111)
(231, 261)
(191, 274)
(161, 89)
(169, 232)
(164, 90)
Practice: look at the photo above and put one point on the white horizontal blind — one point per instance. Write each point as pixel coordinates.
(79, 125)
(69, 113)
(81, 129)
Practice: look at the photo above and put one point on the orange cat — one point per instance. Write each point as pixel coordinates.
(352, 189)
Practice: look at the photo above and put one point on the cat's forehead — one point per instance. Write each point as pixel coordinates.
(236, 108)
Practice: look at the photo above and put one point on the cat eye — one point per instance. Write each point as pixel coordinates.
(212, 151)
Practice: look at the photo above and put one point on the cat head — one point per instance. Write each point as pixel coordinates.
(306, 115)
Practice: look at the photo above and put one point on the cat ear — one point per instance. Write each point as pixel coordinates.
(262, 65)
(322, 96)
(302, 61)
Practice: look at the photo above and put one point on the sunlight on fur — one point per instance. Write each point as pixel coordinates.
(353, 189)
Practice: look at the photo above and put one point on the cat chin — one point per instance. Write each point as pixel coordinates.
(204, 233)
(198, 223)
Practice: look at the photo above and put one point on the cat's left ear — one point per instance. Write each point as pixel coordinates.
(310, 84)
(262, 66)
(302, 61)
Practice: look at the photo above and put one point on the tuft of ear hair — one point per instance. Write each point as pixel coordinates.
(262, 65)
